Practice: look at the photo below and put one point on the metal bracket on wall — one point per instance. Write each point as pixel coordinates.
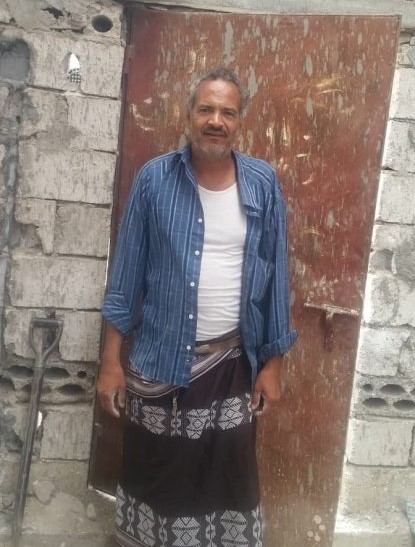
(329, 312)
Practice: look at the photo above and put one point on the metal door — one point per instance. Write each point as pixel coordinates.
(320, 89)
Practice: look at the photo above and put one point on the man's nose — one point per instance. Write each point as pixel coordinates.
(216, 119)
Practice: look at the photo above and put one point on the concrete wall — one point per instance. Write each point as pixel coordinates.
(379, 473)
(58, 151)
(58, 143)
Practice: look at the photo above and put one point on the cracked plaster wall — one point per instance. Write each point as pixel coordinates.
(58, 154)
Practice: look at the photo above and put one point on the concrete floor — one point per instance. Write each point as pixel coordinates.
(64, 521)
(62, 541)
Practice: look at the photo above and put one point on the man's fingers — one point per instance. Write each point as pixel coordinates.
(262, 404)
(255, 400)
(111, 390)
(269, 402)
(107, 401)
(265, 407)
(121, 397)
(114, 410)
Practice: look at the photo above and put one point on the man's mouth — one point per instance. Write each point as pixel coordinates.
(214, 134)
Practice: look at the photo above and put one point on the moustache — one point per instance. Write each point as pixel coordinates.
(215, 132)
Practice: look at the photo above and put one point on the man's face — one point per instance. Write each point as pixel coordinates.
(215, 118)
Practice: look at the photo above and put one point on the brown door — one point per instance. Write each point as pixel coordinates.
(320, 89)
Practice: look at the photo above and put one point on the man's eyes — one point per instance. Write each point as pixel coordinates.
(227, 113)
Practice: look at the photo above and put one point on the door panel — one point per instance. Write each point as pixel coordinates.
(320, 89)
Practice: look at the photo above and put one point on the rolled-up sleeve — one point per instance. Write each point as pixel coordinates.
(279, 337)
(127, 275)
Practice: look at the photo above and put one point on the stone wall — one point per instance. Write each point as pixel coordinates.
(58, 152)
(379, 474)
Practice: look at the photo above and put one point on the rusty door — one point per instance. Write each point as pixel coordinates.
(319, 89)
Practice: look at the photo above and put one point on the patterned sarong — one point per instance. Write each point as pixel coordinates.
(189, 467)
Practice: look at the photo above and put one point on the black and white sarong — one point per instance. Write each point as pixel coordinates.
(189, 465)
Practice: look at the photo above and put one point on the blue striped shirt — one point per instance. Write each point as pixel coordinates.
(152, 288)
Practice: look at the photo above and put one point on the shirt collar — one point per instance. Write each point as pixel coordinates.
(245, 189)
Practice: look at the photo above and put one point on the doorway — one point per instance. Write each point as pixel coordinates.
(320, 88)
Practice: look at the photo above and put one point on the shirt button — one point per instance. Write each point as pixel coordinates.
(192, 283)
(200, 220)
(190, 315)
(188, 348)
(197, 253)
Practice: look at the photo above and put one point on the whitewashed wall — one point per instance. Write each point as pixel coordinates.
(379, 473)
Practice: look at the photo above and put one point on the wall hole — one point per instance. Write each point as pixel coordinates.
(102, 23)
(82, 374)
(13, 442)
(20, 372)
(405, 404)
(27, 389)
(56, 373)
(375, 402)
(54, 11)
(71, 389)
(367, 387)
(74, 69)
(392, 389)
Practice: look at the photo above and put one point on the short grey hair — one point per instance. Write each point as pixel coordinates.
(219, 73)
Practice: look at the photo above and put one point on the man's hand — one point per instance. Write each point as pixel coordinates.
(267, 387)
(111, 381)
(111, 387)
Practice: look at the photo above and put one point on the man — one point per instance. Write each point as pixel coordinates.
(200, 275)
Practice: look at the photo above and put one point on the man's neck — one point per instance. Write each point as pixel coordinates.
(215, 173)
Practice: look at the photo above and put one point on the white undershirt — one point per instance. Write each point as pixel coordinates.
(219, 293)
